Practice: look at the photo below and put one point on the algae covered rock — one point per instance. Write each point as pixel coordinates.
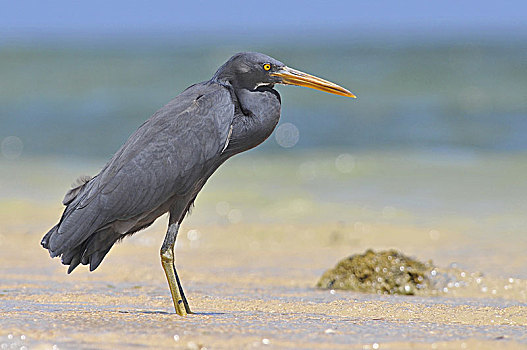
(384, 272)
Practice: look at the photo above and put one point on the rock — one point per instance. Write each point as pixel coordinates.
(384, 272)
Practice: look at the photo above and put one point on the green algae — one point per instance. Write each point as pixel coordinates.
(383, 272)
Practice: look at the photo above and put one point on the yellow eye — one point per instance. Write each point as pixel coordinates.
(267, 66)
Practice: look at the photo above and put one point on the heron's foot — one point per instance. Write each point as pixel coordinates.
(180, 308)
(185, 303)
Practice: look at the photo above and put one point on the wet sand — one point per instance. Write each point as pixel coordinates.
(252, 283)
(250, 286)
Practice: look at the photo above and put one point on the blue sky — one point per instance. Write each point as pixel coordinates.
(68, 17)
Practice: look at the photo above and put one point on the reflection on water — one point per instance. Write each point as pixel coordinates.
(11, 147)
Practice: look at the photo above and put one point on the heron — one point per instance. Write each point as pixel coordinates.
(166, 162)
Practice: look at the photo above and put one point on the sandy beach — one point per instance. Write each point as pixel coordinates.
(250, 279)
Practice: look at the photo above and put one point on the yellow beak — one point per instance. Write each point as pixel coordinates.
(292, 76)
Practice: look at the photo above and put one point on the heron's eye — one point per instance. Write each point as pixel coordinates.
(267, 66)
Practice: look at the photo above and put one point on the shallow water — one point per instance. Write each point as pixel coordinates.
(263, 231)
(421, 92)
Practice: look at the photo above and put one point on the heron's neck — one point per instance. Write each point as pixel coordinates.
(260, 112)
(262, 103)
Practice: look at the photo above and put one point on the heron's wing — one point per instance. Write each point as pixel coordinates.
(166, 156)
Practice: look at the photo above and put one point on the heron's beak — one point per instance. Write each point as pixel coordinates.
(292, 76)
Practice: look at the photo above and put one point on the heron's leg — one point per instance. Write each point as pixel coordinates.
(167, 261)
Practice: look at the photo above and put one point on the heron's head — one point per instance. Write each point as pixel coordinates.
(249, 70)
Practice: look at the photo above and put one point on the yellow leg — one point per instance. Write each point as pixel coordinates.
(167, 261)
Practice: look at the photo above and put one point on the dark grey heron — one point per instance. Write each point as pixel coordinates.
(165, 163)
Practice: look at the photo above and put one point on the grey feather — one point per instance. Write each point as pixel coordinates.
(76, 187)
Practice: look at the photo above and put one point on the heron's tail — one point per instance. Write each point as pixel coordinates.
(45, 240)
(81, 236)
(92, 251)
